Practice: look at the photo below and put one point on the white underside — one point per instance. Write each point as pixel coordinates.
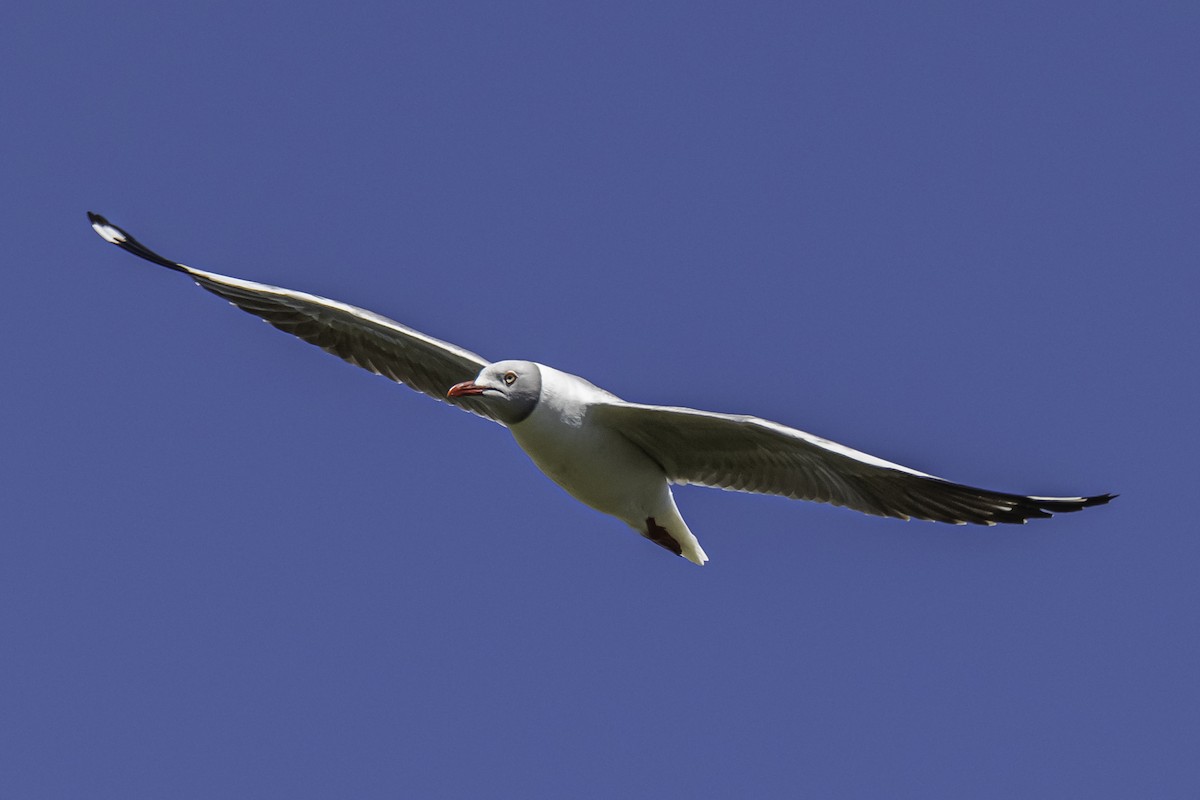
(596, 465)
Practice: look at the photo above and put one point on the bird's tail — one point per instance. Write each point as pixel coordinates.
(667, 529)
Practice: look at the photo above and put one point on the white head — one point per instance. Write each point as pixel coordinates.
(509, 389)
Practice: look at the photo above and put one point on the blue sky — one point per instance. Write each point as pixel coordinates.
(958, 237)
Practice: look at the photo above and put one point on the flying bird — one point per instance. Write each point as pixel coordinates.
(619, 458)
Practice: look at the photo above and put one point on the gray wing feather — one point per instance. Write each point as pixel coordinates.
(361, 337)
(749, 454)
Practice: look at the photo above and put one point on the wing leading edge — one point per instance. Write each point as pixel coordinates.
(361, 337)
(749, 454)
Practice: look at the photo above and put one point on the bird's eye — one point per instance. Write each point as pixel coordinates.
(510, 378)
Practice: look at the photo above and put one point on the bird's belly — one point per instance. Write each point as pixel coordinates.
(598, 467)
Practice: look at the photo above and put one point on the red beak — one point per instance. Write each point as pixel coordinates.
(464, 389)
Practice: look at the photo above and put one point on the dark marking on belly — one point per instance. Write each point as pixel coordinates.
(659, 535)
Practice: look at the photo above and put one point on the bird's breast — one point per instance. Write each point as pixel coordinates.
(594, 463)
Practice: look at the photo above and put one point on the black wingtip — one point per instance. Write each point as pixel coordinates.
(108, 232)
(1063, 505)
(114, 235)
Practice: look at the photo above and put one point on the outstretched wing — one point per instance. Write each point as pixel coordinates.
(749, 454)
(361, 337)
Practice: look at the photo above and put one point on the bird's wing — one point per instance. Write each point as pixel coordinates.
(748, 454)
(361, 337)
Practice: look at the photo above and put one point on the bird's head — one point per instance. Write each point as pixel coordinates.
(509, 389)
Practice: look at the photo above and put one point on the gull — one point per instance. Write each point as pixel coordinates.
(620, 458)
